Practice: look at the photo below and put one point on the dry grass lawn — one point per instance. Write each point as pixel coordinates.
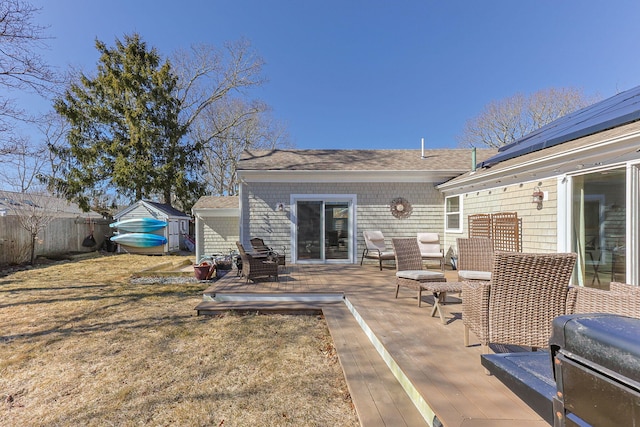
(81, 345)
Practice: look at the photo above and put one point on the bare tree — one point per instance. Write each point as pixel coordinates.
(227, 128)
(34, 211)
(505, 121)
(212, 90)
(24, 165)
(21, 67)
(207, 75)
(53, 129)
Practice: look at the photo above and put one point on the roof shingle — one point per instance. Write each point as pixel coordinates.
(361, 160)
(217, 202)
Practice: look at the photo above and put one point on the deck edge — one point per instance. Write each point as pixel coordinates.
(421, 405)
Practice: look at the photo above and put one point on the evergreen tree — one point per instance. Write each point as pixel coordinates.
(125, 137)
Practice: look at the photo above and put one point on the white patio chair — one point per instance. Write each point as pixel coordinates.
(375, 247)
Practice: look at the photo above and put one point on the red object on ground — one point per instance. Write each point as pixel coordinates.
(204, 270)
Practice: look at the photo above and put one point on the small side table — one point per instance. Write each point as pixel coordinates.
(439, 291)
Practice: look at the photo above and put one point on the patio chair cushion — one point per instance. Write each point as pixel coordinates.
(381, 255)
(374, 240)
(474, 275)
(375, 235)
(419, 275)
(432, 254)
(429, 242)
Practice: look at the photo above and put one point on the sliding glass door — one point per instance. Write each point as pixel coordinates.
(599, 225)
(323, 230)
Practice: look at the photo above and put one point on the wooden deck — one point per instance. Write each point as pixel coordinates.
(403, 367)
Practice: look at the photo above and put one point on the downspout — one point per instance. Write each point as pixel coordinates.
(199, 237)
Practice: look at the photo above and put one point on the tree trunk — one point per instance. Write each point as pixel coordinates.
(33, 247)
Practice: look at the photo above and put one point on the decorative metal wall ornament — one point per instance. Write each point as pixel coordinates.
(401, 208)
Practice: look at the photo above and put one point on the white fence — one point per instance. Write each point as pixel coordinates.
(62, 235)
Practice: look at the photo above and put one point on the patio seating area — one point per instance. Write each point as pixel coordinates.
(403, 367)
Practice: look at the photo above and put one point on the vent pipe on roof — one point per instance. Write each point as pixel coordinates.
(423, 148)
(473, 159)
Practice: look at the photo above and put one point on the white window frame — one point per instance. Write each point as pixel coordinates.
(447, 214)
(565, 213)
(352, 199)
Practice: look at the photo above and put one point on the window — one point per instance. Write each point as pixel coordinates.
(453, 214)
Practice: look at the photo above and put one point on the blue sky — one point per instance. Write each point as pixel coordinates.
(371, 74)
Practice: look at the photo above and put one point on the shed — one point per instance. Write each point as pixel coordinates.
(177, 224)
(217, 224)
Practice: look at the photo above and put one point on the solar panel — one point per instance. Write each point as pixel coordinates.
(618, 110)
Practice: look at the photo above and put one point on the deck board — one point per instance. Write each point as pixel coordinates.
(378, 398)
(447, 375)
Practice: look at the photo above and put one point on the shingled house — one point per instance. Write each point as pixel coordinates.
(574, 183)
(316, 203)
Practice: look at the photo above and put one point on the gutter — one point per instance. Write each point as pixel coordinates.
(613, 151)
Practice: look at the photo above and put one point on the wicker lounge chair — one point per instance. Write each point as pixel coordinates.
(475, 259)
(517, 307)
(430, 249)
(411, 274)
(253, 267)
(375, 247)
(260, 250)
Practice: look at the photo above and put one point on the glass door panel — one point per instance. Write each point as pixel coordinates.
(599, 227)
(309, 229)
(336, 230)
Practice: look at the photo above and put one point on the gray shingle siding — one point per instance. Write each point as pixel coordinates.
(261, 219)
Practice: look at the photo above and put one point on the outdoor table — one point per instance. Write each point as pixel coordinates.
(439, 291)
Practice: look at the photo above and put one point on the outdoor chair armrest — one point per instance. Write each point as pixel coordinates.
(475, 313)
(591, 300)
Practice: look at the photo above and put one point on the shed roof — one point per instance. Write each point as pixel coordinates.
(168, 209)
(217, 202)
(164, 208)
(361, 160)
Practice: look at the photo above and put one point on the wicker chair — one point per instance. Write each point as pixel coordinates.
(260, 250)
(253, 267)
(517, 307)
(622, 299)
(475, 259)
(411, 274)
(375, 247)
(430, 249)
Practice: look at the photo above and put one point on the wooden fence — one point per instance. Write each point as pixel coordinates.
(62, 235)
